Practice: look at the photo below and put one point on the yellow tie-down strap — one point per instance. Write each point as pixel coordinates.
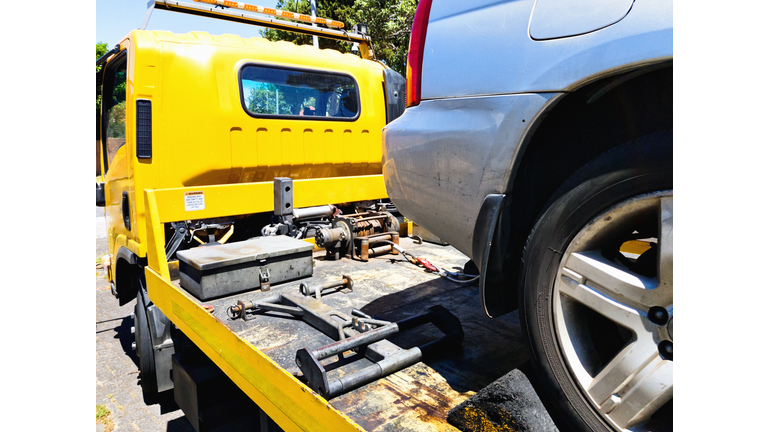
(204, 202)
(290, 403)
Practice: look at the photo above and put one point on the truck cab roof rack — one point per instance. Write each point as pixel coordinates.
(244, 14)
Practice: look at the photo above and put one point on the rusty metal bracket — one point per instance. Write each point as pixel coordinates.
(366, 252)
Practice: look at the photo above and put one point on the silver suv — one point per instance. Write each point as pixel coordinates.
(538, 141)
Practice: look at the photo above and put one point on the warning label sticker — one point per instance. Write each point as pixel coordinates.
(194, 200)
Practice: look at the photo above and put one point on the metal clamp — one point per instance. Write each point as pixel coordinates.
(179, 232)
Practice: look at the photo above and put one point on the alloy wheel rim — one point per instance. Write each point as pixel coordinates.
(613, 312)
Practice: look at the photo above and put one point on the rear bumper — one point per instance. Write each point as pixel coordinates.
(443, 157)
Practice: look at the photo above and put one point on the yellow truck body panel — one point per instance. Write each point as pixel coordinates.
(202, 134)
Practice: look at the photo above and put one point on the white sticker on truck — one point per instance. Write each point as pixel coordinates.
(194, 200)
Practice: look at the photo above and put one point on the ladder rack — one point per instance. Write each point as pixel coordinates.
(225, 13)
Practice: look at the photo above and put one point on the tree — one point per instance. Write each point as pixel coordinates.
(389, 25)
(119, 91)
(264, 98)
(339, 10)
(101, 49)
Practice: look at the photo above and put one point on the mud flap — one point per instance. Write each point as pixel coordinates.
(489, 243)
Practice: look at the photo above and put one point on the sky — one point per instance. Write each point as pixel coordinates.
(115, 18)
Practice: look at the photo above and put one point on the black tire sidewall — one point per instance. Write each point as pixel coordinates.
(614, 177)
(144, 350)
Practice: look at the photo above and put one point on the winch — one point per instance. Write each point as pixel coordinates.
(355, 234)
(361, 235)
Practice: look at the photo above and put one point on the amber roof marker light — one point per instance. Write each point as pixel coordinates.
(274, 12)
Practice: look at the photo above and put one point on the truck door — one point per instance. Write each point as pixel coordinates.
(115, 157)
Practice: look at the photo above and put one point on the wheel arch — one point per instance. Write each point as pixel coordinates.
(604, 110)
(127, 264)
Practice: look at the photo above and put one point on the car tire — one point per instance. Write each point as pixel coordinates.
(598, 319)
(144, 350)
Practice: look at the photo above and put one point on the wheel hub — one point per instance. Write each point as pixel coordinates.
(613, 310)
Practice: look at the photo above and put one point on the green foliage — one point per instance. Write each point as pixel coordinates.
(101, 412)
(264, 98)
(101, 49)
(389, 25)
(118, 94)
(116, 121)
(339, 10)
(116, 114)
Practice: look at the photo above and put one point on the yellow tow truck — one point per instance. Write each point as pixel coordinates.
(247, 215)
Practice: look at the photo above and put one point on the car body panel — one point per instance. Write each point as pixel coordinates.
(483, 76)
(443, 157)
(553, 19)
(499, 57)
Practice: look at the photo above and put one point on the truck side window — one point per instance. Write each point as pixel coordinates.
(114, 100)
(270, 91)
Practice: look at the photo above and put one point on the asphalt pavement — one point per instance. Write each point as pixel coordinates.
(117, 372)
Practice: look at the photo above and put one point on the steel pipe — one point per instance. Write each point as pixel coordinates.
(313, 212)
(355, 341)
(390, 364)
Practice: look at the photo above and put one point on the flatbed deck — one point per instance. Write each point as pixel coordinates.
(390, 288)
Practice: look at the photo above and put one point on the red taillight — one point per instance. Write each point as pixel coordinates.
(416, 53)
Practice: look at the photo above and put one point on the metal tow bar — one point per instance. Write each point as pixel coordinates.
(357, 332)
(309, 360)
(275, 302)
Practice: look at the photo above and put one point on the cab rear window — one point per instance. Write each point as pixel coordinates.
(273, 92)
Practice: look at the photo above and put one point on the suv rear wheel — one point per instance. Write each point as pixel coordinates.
(596, 303)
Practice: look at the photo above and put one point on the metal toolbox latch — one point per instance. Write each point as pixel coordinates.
(264, 278)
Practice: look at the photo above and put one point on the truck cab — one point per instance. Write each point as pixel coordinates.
(184, 110)
(197, 114)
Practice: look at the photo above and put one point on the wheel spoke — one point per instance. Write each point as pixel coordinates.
(665, 247)
(648, 391)
(600, 303)
(618, 377)
(638, 292)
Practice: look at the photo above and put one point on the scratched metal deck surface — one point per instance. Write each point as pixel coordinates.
(419, 397)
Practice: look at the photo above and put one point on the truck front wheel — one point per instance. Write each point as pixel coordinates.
(144, 349)
(596, 297)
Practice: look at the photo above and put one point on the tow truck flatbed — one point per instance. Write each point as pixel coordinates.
(388, 287)
(228, 161)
